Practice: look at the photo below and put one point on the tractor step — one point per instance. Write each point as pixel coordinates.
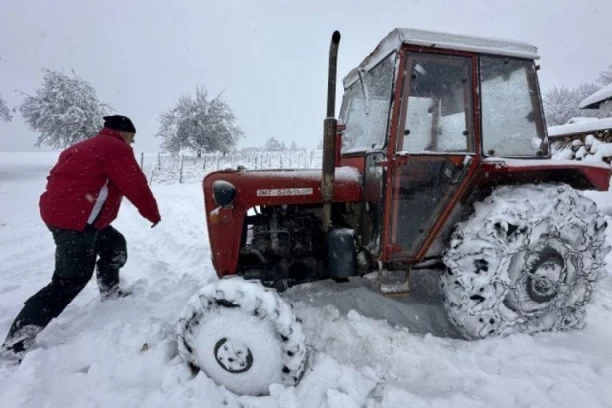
(391, 283)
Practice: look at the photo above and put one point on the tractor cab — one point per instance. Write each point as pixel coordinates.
(421, 114)
(427, 93)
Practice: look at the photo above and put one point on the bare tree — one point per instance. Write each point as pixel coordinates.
(605, 77)
(5, 113)
(65, 110)
(199, 124)
(274, 145)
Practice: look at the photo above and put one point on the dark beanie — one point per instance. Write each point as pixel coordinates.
(118, 122)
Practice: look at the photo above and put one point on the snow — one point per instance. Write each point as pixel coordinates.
(593, 101)
(365, 350)
(348, 174)
(580, 119)
(580, 127)
(592, 150)
(394, 40)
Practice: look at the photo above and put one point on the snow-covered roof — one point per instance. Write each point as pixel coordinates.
(593, 101)
(580, 127)
(434, 39)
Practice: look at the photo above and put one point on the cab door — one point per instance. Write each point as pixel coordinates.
(434, 153)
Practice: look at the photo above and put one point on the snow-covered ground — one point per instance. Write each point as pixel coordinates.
(366, 350)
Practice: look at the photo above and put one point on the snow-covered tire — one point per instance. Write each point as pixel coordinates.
(526, 261)
(242, 336)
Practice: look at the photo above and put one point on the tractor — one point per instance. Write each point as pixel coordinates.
(439, 159)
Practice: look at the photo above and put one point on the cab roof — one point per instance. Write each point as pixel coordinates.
(433, 39)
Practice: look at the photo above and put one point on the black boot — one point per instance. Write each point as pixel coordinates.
(19, 342)
(111, 249)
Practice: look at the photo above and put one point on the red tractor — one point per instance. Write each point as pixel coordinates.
(439, 157)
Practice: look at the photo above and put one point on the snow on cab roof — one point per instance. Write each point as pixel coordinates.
(434, 39)
(593, 101)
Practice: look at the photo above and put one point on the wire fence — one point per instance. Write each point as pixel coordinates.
(167, 168)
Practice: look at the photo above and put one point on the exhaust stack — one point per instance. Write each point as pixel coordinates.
(329, 135)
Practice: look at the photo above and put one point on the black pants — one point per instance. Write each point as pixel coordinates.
(75, 259)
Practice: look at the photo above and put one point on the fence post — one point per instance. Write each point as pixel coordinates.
(181, 169)
(141, 160)
(158, 161)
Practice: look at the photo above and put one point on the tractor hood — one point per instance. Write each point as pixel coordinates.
(277, 187)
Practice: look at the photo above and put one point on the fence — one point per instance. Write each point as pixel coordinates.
(181, 168)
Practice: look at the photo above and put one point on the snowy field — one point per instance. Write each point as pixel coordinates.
(365, 350)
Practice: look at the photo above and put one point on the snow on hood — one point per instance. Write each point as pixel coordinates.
(341, 173)
(593, 101)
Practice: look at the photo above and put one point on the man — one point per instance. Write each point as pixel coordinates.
(82, 198)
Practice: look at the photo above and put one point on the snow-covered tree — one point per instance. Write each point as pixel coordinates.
(605, 77)
(274, 145)
(65, 110)
(199, 124)
(5, 113)
(561, 104)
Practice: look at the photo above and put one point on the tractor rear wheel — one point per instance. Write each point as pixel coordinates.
(243, 336)
(527, 260)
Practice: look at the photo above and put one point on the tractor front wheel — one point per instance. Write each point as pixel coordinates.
(527, 260)
(242, 336)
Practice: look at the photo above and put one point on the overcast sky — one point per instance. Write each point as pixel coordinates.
(269, 58)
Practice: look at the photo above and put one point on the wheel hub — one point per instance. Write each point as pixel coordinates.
(540, 279)
(546, 274)
(542, 283)
(233, 356)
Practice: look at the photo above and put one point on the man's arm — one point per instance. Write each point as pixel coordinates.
(123, 171)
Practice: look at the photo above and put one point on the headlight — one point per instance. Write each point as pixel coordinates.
(223, 192)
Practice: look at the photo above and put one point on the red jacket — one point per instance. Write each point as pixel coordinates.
(82, 171)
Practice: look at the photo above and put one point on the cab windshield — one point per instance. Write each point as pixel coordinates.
(512, 123)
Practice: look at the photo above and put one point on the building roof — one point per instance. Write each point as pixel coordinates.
(584, 127)
(433, 39)
(593, 101)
